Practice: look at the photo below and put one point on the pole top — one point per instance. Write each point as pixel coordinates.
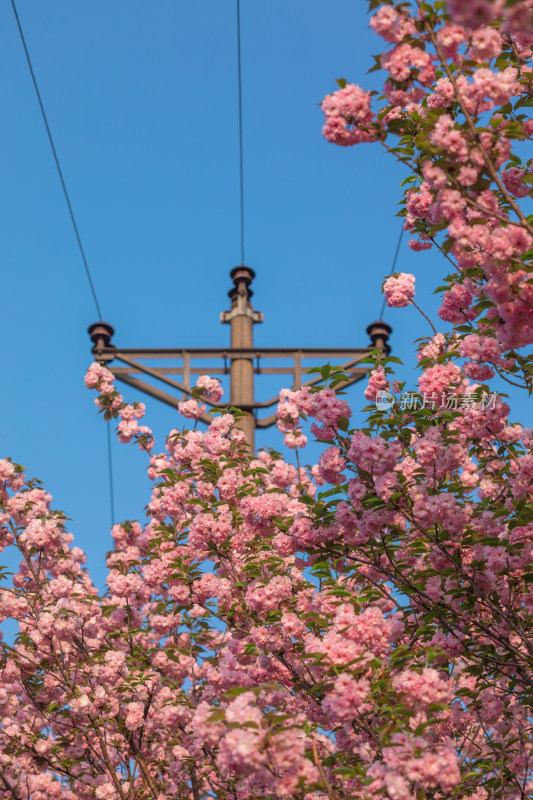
(379, 333)
(101, 334)
(101, 331)
(241, 275)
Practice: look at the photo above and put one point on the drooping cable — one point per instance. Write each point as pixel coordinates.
(58, 165)
(393, 267)
(241, 158)
(76, 233)
(110, 472)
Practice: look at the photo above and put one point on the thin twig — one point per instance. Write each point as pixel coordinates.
(331, 794)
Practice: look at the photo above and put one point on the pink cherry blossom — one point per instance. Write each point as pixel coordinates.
(399, 290)
(348, 116)
(391, 25)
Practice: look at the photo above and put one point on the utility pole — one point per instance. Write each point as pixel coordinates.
(242, 361)
(242, 318)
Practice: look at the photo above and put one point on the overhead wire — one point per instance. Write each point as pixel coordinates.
(241, 149)
(58, 165)
(76, 233)
(393, 267)
(110, 469)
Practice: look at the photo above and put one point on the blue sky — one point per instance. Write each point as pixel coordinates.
(142, 102)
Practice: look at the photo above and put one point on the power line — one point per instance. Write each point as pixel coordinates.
(76, 233)
(110, 471)
(241, 164)
(58, 166)
(394, 260)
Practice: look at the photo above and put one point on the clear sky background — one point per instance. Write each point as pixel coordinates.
(141, 97)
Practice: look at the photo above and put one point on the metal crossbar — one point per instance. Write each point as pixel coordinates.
(221, 359)
(175, 367)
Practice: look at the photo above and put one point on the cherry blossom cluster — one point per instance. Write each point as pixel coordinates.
(206, 388)
(399, 290)
(349, 118)
(514, 18)
(324, 406)
(456, 97)
(249, 643)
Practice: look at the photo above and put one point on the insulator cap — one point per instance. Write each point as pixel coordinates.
(101, 333)
(242, 273)
(239, 275)
(379, 333)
